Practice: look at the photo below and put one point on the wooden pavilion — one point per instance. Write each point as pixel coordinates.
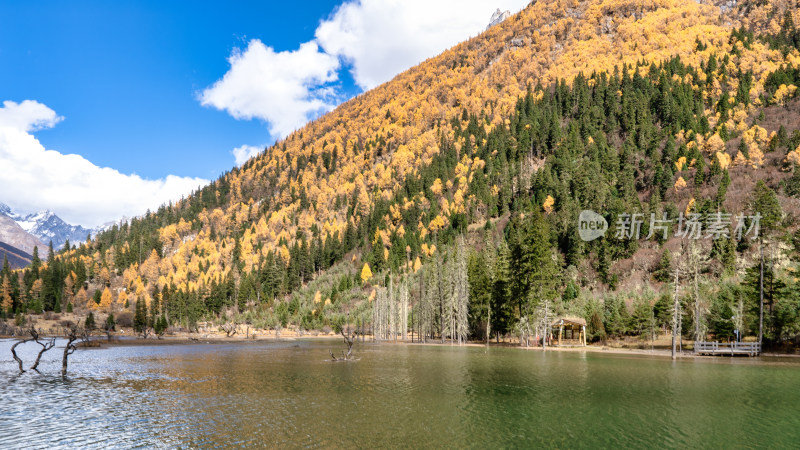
(571, 331)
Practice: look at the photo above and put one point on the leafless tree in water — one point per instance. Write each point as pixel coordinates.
(349, 338)
(46, 344)
(14, 353)
(70, 348)
(230, 329)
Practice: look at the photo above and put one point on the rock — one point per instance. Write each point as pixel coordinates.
(607, 25)
(516, 42)
(498, 17)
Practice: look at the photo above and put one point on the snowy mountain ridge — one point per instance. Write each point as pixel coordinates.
(47, 226)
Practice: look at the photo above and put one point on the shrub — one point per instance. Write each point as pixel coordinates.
(125, 319)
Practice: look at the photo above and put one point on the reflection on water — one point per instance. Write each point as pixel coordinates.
(287, 394)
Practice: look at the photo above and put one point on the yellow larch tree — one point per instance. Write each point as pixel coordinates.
(366, 273)
(69, 289)
(105, 299)
(680, 163)
(793, 156)
(105, 276)
(723, 159)
(122, 298)
(36, 289)
(5, 294)
(149, 268)
(715, 144)
(548, 204)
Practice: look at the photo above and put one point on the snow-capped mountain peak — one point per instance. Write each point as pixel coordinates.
(29, 222)
(47, 226)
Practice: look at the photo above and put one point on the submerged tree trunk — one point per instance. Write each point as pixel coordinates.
(47, 345)
(69, 349)
(14, 354)
(349, 339)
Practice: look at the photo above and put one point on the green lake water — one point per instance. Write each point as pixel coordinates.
(289, 395)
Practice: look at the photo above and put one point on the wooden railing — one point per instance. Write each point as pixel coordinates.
(727, 348)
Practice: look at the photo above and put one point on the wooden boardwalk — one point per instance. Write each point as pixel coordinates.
(727, 348)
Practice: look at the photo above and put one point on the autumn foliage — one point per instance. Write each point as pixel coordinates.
(551, 107)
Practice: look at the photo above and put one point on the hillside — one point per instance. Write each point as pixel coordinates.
(16, 258)
(11, 233)
(660, 107)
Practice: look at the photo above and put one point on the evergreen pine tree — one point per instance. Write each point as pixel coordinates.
(663, 270)
(140, 316)
(90, 323)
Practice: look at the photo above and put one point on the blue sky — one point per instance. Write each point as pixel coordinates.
(155, 96)
(125, 76)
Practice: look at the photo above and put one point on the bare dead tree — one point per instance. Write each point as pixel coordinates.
(696, 261)
(14, 354)
(85, 335)
(108, 328)
(404, 310)
(46, 345)
(69, 349)
(460, 294)
(349, 339)
(230, 329)
(676, 308)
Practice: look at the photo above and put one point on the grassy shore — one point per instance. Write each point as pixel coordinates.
(616, 347)
(208, 334)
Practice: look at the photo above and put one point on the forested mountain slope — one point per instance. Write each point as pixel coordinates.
(16, 258)
(664, 106)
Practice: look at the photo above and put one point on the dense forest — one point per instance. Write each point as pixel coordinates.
(445, 203)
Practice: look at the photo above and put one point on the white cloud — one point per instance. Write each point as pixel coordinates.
(245, 152)
(377, 39)
(34, 178)
(29, 115)
(381, 38)
(285, 89)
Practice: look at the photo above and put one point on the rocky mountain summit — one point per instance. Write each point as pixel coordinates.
(498, 17)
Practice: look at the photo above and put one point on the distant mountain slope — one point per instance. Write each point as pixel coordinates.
(47, 226)
(17, 259)
(11, 233)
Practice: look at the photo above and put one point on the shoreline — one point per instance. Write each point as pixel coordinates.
(216, 339)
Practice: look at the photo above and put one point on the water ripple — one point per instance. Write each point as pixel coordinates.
(287, 394)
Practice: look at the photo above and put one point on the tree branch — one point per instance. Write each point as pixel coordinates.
(47, 345)
(69, 349)
(14, 353)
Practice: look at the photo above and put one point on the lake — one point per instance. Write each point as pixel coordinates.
(287, 394)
